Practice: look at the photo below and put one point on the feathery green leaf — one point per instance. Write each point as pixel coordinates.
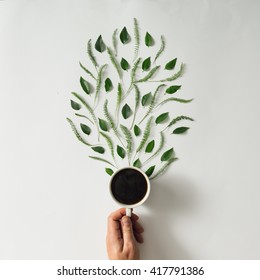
(114, 41)
(91, 55)
(153, 102)
(134, 69)
(87, 71)
(137, 102)
(137, 38)
(103, 160)
(175, 76)
(174, 99)
(128, 138)
(83, 116)
(114, 62)
(179, 118)
(109, 143)
(99, 82)
(161, 48)
(149, 75)
(74, 129)
(145, 135)
(164, 168)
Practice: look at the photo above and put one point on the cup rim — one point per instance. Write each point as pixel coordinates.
(143, 199)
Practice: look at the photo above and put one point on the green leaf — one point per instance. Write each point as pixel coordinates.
(148, 40)
(162, 118)
(120, 151)
(85, 85)
(124, 64)
(171, 64)
(167, 155)
(108, 85)
(149, 147)
(150, 171)
(75, 105)
(109, 171)
(137, 130)
(100, 45)
(137, 163)
(124, 36)
(180, 130)
(103, 125)
(146, 99)
(146, 64)
(98, 149)
(86, 129)
(172, 89)
(126, 111)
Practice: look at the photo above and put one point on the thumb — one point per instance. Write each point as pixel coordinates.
(127, 229)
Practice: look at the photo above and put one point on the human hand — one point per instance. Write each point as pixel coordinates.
(122, 234)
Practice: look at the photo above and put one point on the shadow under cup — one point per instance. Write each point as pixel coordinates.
(130, 187)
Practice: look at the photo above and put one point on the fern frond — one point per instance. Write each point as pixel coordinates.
(87, 71)
(177, 119)
(161, 144)
(175, 76)
(134, 69)
(114, 62)
(137, 38)
(99, 82)
(74, 129)
(128, 138)
(109, 143)
(83, 116)
(145, 135)
(174, 99)
(149, 75)
(110, 119)
(137, 102)
(164, 168)
(104, 160)
(87, 106)
(114, 41)
(161, 48)
(153, 102)
(91, 55)
(118, 101)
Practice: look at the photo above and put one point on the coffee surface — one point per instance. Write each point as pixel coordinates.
(129, 186)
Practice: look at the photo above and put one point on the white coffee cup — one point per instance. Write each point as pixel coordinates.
(129, 187)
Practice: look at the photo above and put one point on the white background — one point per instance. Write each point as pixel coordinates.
(54, 200)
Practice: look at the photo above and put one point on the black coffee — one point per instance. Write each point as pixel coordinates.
(129, 186)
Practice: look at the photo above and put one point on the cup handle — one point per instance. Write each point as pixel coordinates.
(128, 211)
